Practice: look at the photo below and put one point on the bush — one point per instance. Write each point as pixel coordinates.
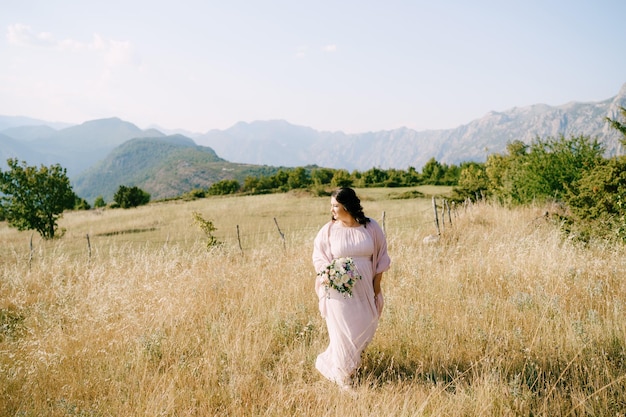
(99, 202)
(224, 187)
(473, 182)
(543, 171)
(598, 200)
(127, 197)
(207, 227)
(195, 194)
(81, 204)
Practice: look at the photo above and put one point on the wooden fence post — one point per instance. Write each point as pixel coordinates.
(282, 235)
(239, 240)
(384, 228)
(30, 256)
(88, 248)
(443, 214)
(436, 216)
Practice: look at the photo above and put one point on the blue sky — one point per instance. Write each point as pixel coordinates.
(354, 66)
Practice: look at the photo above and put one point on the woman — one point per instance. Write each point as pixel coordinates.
(351, 320)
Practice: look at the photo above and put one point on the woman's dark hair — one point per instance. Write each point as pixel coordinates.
(349, 200)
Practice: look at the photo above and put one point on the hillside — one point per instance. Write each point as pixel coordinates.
(163, 166)
(12, 148)
(7, 122)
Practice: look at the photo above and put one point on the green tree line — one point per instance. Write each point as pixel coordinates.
(318, 179)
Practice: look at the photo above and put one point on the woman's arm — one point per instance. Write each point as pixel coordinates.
(377, 278)
(379, 301)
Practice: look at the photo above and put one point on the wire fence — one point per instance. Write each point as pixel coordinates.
(242, 237)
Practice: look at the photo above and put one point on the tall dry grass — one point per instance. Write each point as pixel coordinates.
(500, 317)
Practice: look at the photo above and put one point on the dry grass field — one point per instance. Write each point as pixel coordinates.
(501, 317)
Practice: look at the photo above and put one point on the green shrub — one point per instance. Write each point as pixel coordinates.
(207, 227)
(598, 200)
(127, 197)
(99, 202)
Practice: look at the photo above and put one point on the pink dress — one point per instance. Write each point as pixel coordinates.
(351, 322)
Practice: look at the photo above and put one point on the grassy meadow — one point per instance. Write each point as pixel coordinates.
(129, 314)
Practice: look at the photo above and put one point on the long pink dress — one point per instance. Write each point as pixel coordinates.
(351, 322)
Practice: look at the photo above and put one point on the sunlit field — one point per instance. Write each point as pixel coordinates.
(129, 314)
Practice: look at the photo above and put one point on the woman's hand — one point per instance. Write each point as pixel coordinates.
(379, 300)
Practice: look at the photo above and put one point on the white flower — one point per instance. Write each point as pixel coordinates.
(340, 275)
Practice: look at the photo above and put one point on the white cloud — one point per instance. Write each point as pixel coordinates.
(23, 35)
(301, 52)
(18, 34)
(70, 45)
(113, 52)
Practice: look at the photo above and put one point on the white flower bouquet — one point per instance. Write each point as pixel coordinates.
(340, 275)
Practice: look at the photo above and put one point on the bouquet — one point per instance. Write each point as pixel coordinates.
(340, 275)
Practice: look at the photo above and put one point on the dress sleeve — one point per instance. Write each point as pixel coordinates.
(382, 259)
(321, 248)
(322, 256)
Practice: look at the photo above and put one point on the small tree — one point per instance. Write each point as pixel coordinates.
(224, 187)
(34, 199)
(599, 199)
(127, 197)
(207, 227)
(473, 182)
(298, 178)
(374, 177)
(433, 172)
(617, 125)
(341, 178)
(322, 176)
(99, 202)
(81, 204)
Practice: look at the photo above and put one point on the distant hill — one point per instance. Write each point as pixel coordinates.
(30, 133)
(165, 167)
(7, 122)
(10, 148)
(76, 148)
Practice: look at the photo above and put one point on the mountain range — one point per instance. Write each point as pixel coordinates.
(100, 155)
(279, 143)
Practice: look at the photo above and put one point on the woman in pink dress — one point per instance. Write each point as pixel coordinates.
(351, 320)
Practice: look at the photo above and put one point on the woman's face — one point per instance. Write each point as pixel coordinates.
(338, 211)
